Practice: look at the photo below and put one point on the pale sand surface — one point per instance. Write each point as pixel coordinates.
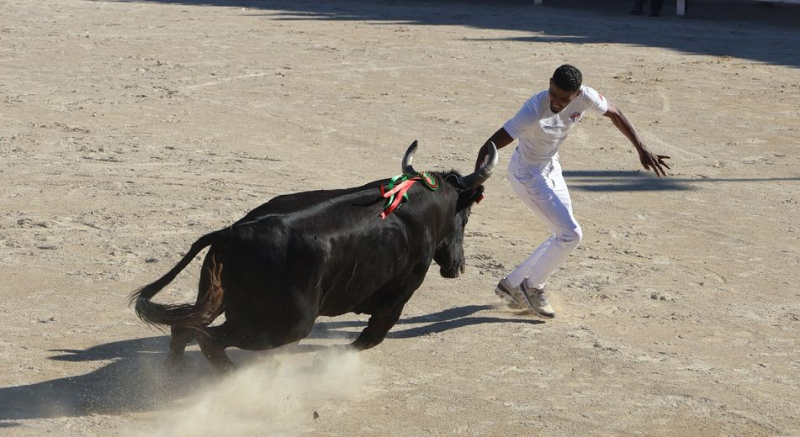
(129, 129)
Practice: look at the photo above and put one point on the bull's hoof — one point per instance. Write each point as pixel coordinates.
(175, 370)
(175, 363)
(360, 345)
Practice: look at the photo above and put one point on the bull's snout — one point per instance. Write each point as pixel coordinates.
(452, 272)
(449, 273)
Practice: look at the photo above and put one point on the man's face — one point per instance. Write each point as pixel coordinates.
(559, 99)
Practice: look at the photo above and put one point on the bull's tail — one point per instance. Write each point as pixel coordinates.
(202, 313)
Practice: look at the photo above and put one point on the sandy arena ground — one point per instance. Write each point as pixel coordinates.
(128, 129)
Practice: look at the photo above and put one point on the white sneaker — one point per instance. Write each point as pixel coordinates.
(510, 294)
(537, 300)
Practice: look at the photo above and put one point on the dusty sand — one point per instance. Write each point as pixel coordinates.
(129, 129)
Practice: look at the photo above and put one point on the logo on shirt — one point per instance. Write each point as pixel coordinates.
(574, 117)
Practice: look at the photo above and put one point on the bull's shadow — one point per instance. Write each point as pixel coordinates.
(136, 379)
(430, 324)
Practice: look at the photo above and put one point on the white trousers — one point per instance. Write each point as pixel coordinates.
(543, 189)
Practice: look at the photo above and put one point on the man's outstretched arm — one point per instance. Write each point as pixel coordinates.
(649, 160)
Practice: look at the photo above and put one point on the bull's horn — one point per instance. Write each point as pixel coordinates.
(407, 158)
(477, 179)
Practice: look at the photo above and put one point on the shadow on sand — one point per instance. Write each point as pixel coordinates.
(742, 29)
(636, 180)
(136, 380)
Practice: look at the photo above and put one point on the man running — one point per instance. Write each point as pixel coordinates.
(541, 126)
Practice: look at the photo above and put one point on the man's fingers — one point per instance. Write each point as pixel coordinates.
(656, 166)
(661, 159)
(651, 161)
(657, 170)
(658, 162)
(661, 163)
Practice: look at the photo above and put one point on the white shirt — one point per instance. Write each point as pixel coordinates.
(540, 131)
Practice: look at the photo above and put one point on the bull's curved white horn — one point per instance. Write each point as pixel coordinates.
(407, 158)
(477, 179)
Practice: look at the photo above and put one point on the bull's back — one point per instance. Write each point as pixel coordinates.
(318, 201)
(327, 250)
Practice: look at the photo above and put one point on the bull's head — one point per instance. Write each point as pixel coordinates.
(465, 190)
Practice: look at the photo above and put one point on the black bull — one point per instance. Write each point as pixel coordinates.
(317, 253)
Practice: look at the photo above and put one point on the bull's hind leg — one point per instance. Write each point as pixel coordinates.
(377, 328)
(213, 342)
(181, 336)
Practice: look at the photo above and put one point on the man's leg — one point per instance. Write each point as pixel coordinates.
(545, 192)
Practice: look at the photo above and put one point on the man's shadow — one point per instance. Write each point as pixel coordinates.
(137, 380)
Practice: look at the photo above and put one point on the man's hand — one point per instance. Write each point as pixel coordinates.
(651, 161)
(483, 156)
(501, 138)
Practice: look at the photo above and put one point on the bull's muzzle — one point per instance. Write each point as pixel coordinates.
(449, 273)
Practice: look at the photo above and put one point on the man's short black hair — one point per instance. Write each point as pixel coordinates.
(568, 78)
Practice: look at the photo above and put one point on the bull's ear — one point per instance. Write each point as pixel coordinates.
(478, 195)
(455, 180)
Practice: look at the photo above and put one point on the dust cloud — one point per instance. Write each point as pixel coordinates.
(277, 395)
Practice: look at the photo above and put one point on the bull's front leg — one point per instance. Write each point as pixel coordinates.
(377, 328)
(394, 300)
